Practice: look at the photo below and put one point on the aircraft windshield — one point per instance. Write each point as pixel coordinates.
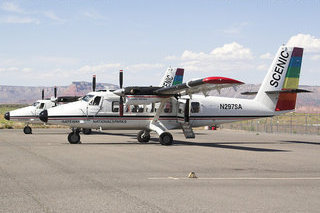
(87, 98)
(36, 103)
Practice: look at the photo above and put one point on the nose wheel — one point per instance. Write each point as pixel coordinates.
(27, 130)
(74, 137)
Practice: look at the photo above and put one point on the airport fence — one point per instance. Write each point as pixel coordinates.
(291, 123)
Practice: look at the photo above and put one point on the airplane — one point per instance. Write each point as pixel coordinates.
(169, 106)
(30, 114)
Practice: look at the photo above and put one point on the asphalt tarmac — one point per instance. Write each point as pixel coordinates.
(112, 172)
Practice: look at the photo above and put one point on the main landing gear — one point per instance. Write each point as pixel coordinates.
(27, 130)
(74, 136)
(86, 131)
(165, 138)
(143, 136)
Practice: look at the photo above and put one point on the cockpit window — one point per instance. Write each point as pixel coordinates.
(41, 106)
(96, 101)
(36, 103)
(87, 98)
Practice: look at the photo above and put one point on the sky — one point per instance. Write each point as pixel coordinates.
(48, 43)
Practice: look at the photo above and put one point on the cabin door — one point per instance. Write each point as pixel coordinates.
(183, 111)
(94, 106)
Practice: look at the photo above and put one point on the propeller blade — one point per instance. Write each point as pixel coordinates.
(94, 83)
(121, 106)
(121, 78)
(55, 92)
(42, 96)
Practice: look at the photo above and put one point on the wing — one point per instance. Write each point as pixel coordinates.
(203, 85)
(67, 99)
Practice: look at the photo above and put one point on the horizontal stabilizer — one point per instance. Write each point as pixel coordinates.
(288, 91)
(279, 91)
(249, 93)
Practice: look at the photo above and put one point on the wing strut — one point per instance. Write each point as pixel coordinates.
(155, 124)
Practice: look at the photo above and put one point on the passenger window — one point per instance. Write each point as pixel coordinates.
(181, 108)
(115, 106)
(195, 107)
(137, 108)
(168, 107)
(141, 109)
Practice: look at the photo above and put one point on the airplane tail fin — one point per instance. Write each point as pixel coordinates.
(279, 89)
(173, 76)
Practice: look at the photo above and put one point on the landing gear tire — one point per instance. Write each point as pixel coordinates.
(143, 136)
(86, 131)
(166, 139)
(74, 138)
(27, 130)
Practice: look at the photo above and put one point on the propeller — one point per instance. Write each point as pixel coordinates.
(94, 83)
(121, 98)
(55, 92)
(42, 94)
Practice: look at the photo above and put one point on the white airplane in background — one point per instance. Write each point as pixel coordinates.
(30, 114)
(173, 106)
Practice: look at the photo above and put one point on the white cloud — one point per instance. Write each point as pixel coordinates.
(94, 15)
(11, 7)
(171, 58)
(236, 28)
(308, 42)
(232, 51)
(19, 20)
(315, 57)
(55, 60)
(144, 67)
(262, 67)
(229, 57)
(88, 69)
(51, 15)
(24, 16)
(266, 56)
(9, 69)
(26, 70)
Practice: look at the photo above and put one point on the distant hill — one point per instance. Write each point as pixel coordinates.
(27, 95)
(307, 102)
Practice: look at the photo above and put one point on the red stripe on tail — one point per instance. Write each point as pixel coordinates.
(286, 101)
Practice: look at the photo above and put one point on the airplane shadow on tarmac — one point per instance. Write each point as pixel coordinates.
(302, 142)
(114, 134)
(227, 145)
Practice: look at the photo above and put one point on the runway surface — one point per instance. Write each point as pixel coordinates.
(112, 172)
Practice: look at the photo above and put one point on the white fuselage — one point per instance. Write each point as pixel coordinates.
(30, 114)
(204, 111)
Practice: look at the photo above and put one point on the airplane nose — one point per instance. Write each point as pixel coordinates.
(7, 116)
(43, 116)
(119, 92)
